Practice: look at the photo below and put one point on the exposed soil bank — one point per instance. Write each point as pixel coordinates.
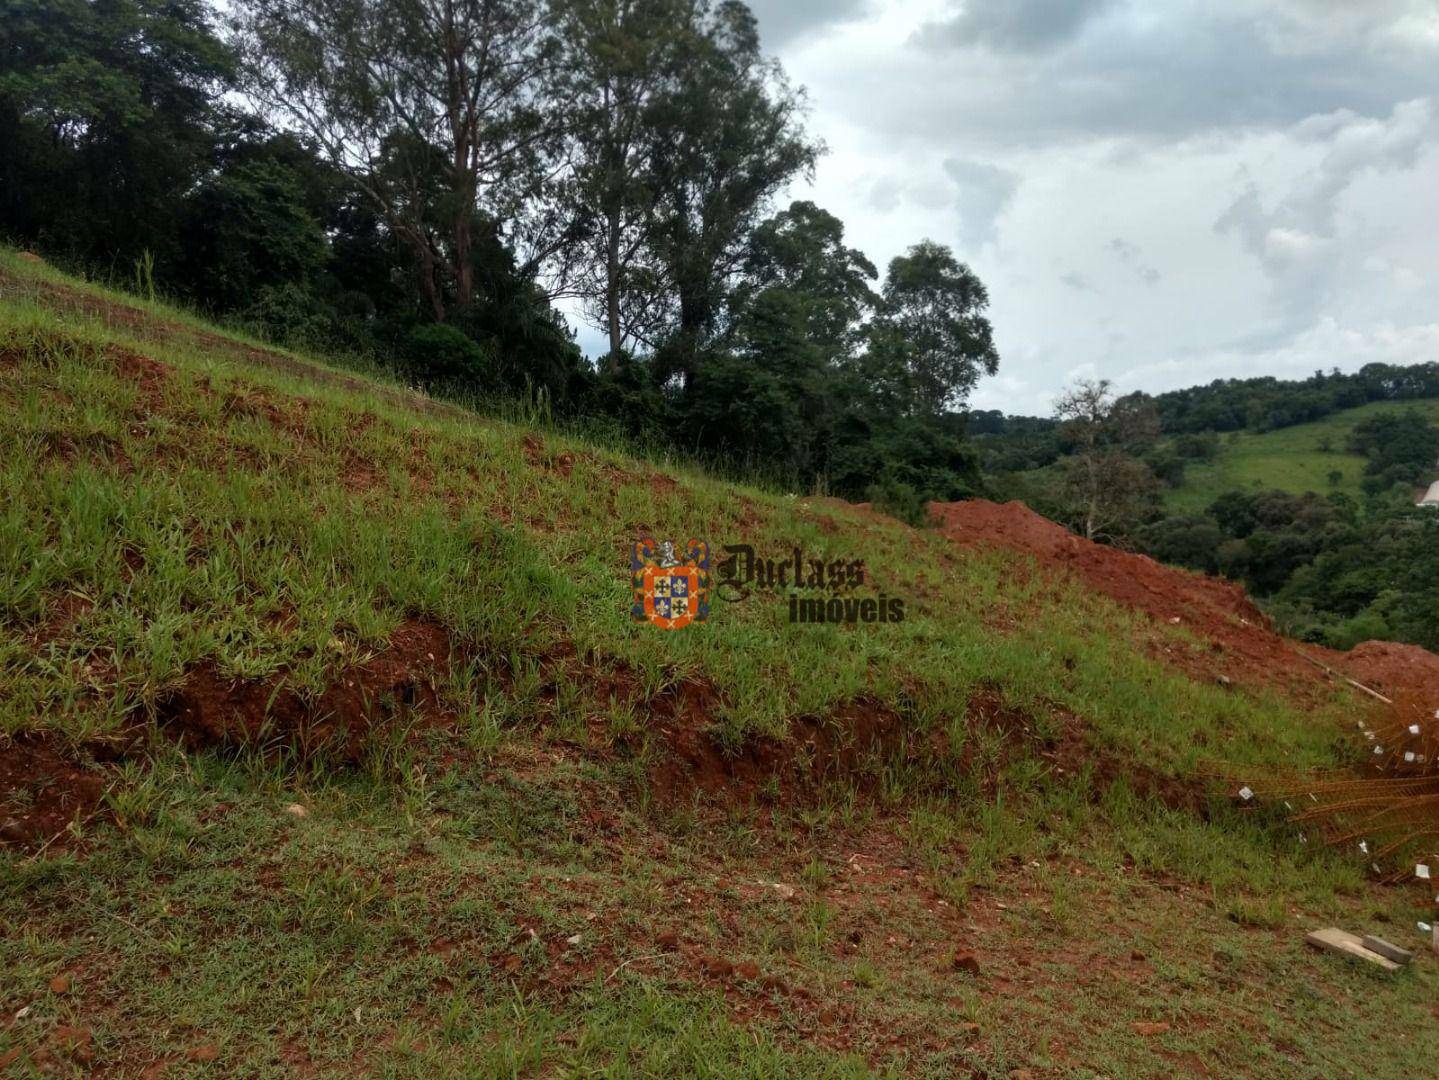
(1242, 644)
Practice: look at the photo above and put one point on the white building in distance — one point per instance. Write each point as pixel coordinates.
(1431, 497)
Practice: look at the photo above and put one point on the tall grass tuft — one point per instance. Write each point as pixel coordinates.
(145, 275)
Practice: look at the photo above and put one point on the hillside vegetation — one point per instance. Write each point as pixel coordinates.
(1293, 459)
(329, 744)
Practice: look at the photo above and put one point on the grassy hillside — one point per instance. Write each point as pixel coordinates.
(392, 782)
(1289, 459)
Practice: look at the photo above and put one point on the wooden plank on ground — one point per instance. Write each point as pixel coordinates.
(1346, 944)
(1387, 949)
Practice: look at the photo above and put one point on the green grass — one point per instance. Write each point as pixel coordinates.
(488, 895)
(185, 525)
(1289, 459)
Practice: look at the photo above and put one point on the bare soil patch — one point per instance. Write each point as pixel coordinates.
(814, 750)
(539, 457)
(1242, 645)
(150, 376)
(855, 740)
(1392, 668)
(61, 613)
(94, 446)
(209, 709)
(42, 789)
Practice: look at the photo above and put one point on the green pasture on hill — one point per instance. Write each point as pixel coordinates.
(1290, 459)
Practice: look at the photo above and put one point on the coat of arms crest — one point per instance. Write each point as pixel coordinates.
(670, 591)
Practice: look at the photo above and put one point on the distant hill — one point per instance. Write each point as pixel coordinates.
(1326, 404)
(1259, 505)
(1293, 459)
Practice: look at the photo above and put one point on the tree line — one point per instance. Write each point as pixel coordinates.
(1266, 404)
(424, 181)
(1010, 443)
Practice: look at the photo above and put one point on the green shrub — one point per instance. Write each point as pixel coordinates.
(287, 314)
(437, 354)
(897, 499)
(1368, 625)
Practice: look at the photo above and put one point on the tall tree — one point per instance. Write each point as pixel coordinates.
(802, 250)
(772, 393)
(931, 337)
(765, 402)
(620, 57)
(437, 107)
(724, 141)
(106, 118)
(1105, 486)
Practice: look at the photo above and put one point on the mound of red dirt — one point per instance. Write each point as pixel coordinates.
(1393, 668)
(1134, 580)
(1241, 645)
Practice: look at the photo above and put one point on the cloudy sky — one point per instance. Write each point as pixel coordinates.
(1157, 192)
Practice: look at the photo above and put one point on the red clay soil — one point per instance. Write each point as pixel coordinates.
(42, 790)
(1407, 674)
(1242, 645)
(45, 785)
(816, 748)
(1393, 668)
(148, 375)
(851, 742)
(210, 710)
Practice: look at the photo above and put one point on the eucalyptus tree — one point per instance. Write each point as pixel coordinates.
(439, 109)
(931, 338)
(620, 59)
(726, 138)
(801, 250)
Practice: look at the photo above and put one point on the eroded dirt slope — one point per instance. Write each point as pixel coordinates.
(1241, 643)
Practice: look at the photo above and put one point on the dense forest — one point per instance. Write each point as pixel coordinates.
(423, 182)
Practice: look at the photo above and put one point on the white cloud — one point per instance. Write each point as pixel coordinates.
(1021, 26)
(1299, 239)
(1325, 345)
(1159, 194)
(1131, 256)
